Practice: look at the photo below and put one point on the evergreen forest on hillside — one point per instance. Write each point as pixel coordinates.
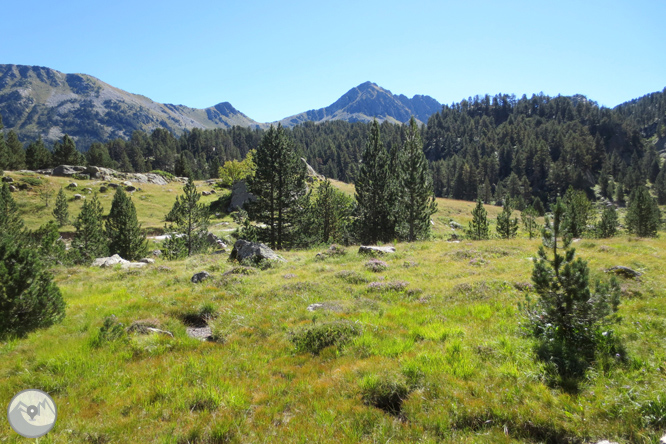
(492, 148)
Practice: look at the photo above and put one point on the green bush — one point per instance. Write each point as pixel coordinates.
(168, 176)
(110, 331)
(29, 299)
(317, 337)
(386, 392)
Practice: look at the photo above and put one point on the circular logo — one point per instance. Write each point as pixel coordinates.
(32, 413)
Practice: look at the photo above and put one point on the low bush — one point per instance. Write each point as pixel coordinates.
(110, 331)
(317, 337)
(376, 265)
(351, 277)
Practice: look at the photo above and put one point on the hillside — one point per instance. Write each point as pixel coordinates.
(37, 101)
(367, 102)
(441, 326)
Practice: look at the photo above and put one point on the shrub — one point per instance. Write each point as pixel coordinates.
(29, 299)
(317, 337)
(388, 286)
(376, 265)
(386, 392)
(351, 277)
(168, 176)
(110, 331)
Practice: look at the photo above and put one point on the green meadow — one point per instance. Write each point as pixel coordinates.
(429, 349)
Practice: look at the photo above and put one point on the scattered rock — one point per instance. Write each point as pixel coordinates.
(109, 261)
(239, 196)
(147, 260)
(200, 277)
(324, 306)
(126, 183)
(78, 197)
(624, 271)
(7, 179)
(12, 189)
(130, 188)
(88, 190)
(366, 249)
(72, 185)
(205, 193)
(157, 253)
(216, 241)
(201, 333)
(24, 187)
(662, 440)
(68, 170)
(213, 192)
(112, 185)
(103, 189)
(455, 225)
(253, 251)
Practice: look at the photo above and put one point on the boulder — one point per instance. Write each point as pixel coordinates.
(215, 241)
(112, 185)
(200, 277)
(109, 261)
(205, 193)
(72, 185)
(103, 189)
(253, 251)
(12, 189)
(7, 179)
(130, 188)
(624, 271)
(68, 170)
(78, 197)
(369, 249)
(662, 440)
(147, 260)
(127, 183)
(239, 196)
(157, 253)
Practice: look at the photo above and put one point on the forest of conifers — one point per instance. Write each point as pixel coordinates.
(484, 147)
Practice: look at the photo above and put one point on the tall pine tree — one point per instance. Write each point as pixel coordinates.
(189, 226)
(89, 240)
(279, 185)
(123, 230)
(506, 226)
(37, 156)
(65, 153)
(61, 210)
(15, 152)
(643, 216)
(375, 192)
(416, 201)
(478, 227)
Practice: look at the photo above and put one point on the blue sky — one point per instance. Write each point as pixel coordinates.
(272, 59)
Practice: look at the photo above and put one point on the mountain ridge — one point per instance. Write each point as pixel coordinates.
(37, 101)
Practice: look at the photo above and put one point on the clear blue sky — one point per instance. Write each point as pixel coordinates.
(272, 59)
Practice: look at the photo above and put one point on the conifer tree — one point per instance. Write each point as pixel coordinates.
(65, 153)
(568, 318)
(279, 185)
(375, 192)
(478, 227)
(607, 226)
(123, 229)
(89, 240)
(660, 186)
(619, 194)
(332, 210)
(576, 212)
(29, 297)
(61, 210)
(506, 226)
(416, 196)
(3, 149)
(643, 216)
(528, 217)
(15, 152)
(11, 224)
(537, 204)
(189, 226)
(37, 156)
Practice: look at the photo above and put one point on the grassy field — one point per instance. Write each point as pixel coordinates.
(440, 326)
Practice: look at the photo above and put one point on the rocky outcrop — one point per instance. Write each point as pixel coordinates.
(311, 173)
(200, 277)
(369, 249)
(240, 196)
(624, 271)
(110, 261)
(108, 174)
(253, 252)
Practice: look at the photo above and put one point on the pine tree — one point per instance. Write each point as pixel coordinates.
(37, 156)
(568, 318)
(660, 186)
(89, 240)
(190, 224)
(279, 185)
(529, 216)
(332, 211)
(416, 196)
(65, 153)
(537, 204)
(478, 227)
(123, 229)
(61, 210)
(15, 152)
(11, 224)
(375, 192)
(576, 212)
(3, 149)
(643, 216)
(507, 227)
(607, 226)
(29, 297)
(619, 194)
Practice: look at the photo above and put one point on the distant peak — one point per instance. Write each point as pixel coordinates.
(367, 85)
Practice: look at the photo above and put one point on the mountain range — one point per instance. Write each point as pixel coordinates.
(37, 101)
